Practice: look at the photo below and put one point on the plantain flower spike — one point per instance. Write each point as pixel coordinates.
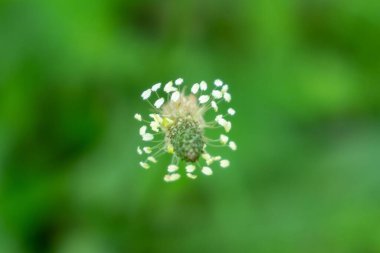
(178, 127)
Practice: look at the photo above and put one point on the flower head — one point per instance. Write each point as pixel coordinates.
(178, 127)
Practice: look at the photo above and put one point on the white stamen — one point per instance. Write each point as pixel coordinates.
(143, 130)
(190, 168)
(191, 176)
(231, 112)
(204, 99)
(209, 160)
(147, 150)
(224, 123)
(179, 81)
(207, 171)
(224, 163)
(148, 137)
(152, 159)
(227, 126)
(218, 118)
(217, 94)
(225, 88)
(232, 145)
(169, 87)
(217, 158)
(155, 126)
(159, 103)
(195, 88)
(218, 83)
(146, 94)
(223, 139)
(221, 121)
(172, 177)
(227, 97)
(172, 168)
(156, 117)
(206, 156)
(144, 165)
(139, 151)
(138, 117)
(203, 85)
(175, 96)
(156, 87)
(214, 106)
(175, 177)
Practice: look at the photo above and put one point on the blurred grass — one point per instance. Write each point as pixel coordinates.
(305, 82)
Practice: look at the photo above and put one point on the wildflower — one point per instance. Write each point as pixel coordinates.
(179, 127)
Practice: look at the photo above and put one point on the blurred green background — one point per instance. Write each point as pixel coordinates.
(304, 76)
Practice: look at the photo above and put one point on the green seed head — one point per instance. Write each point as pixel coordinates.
(187, 139)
